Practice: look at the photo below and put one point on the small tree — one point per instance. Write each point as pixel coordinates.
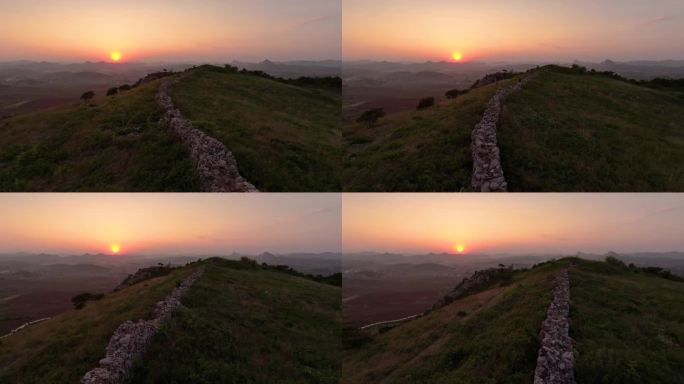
(454, 93)
(88, 96)
(112, 91)
(371, 117)
(124, 87)
(79, 301)
(426, 103)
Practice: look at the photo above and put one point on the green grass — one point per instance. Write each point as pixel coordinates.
(472, 340)
(112, 144)
(64, 348)
(582, 132)
(423, 151)
(249, 325)
(626, 323)
(284, 137)
(628, 326)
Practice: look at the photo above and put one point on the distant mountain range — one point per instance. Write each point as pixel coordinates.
(31, 73)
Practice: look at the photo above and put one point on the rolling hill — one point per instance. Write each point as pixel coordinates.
(566, 130)
(625, 322)
(240, 323)
(284, 135)
(426, 151)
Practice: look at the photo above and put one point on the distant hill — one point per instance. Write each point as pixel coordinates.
(237, 316)
(491, 333)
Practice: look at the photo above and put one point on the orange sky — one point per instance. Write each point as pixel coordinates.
(169, 223)
(515, 223)
(418, 30)
(170, 29)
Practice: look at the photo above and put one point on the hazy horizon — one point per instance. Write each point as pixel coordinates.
(169, 224)
(525, 30)
(158, 30)
(513, 223)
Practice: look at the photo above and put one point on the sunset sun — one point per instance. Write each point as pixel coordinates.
(459, 248)
(457, 56)
(116, 56)
(116, 248)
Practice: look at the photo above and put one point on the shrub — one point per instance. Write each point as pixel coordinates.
(88, 95)
(112, 91)
(124, 87)
(615, 262)
(80, 301)
(426, 102)
(354, 338)
(454, 93)
(371, 117)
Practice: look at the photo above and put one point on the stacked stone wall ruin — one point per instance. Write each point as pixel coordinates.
(131, 339)
(555, 361)
(488, 175)
(215, 165)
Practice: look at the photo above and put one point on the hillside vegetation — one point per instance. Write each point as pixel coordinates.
(486, 337)
(573, 131)
(285, 137)
(427, 150)
(626, 323)
(242, 323)
(64, 348)
(628, 326)
(247, 324)
(112, 144)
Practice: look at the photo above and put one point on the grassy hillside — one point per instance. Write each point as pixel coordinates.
(426, 150)
(628, 326)
(244, 324)
(112, 144)
(580, 132)
(284, 137)
(626, 323)
(65, 347)
(488, 337)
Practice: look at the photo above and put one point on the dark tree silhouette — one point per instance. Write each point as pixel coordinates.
(454, 93)
(88, 95)
(124, 87)
(371, 117)
(426, 103)
(112, 91)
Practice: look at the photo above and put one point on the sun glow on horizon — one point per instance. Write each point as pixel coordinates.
(116, 56)
(115, 248)
(457, 56)
(460, 248)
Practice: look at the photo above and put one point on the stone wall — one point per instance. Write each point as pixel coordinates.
(555, 362)
(488, 174)
(215, 164)
(132, 338)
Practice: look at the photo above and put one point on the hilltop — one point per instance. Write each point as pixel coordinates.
(240, 321)
(284, 135)
(566, 129)
(625, 322)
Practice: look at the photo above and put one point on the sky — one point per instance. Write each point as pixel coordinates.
(513, 223)
(170, 224)
(170, 30)
(521, 30)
